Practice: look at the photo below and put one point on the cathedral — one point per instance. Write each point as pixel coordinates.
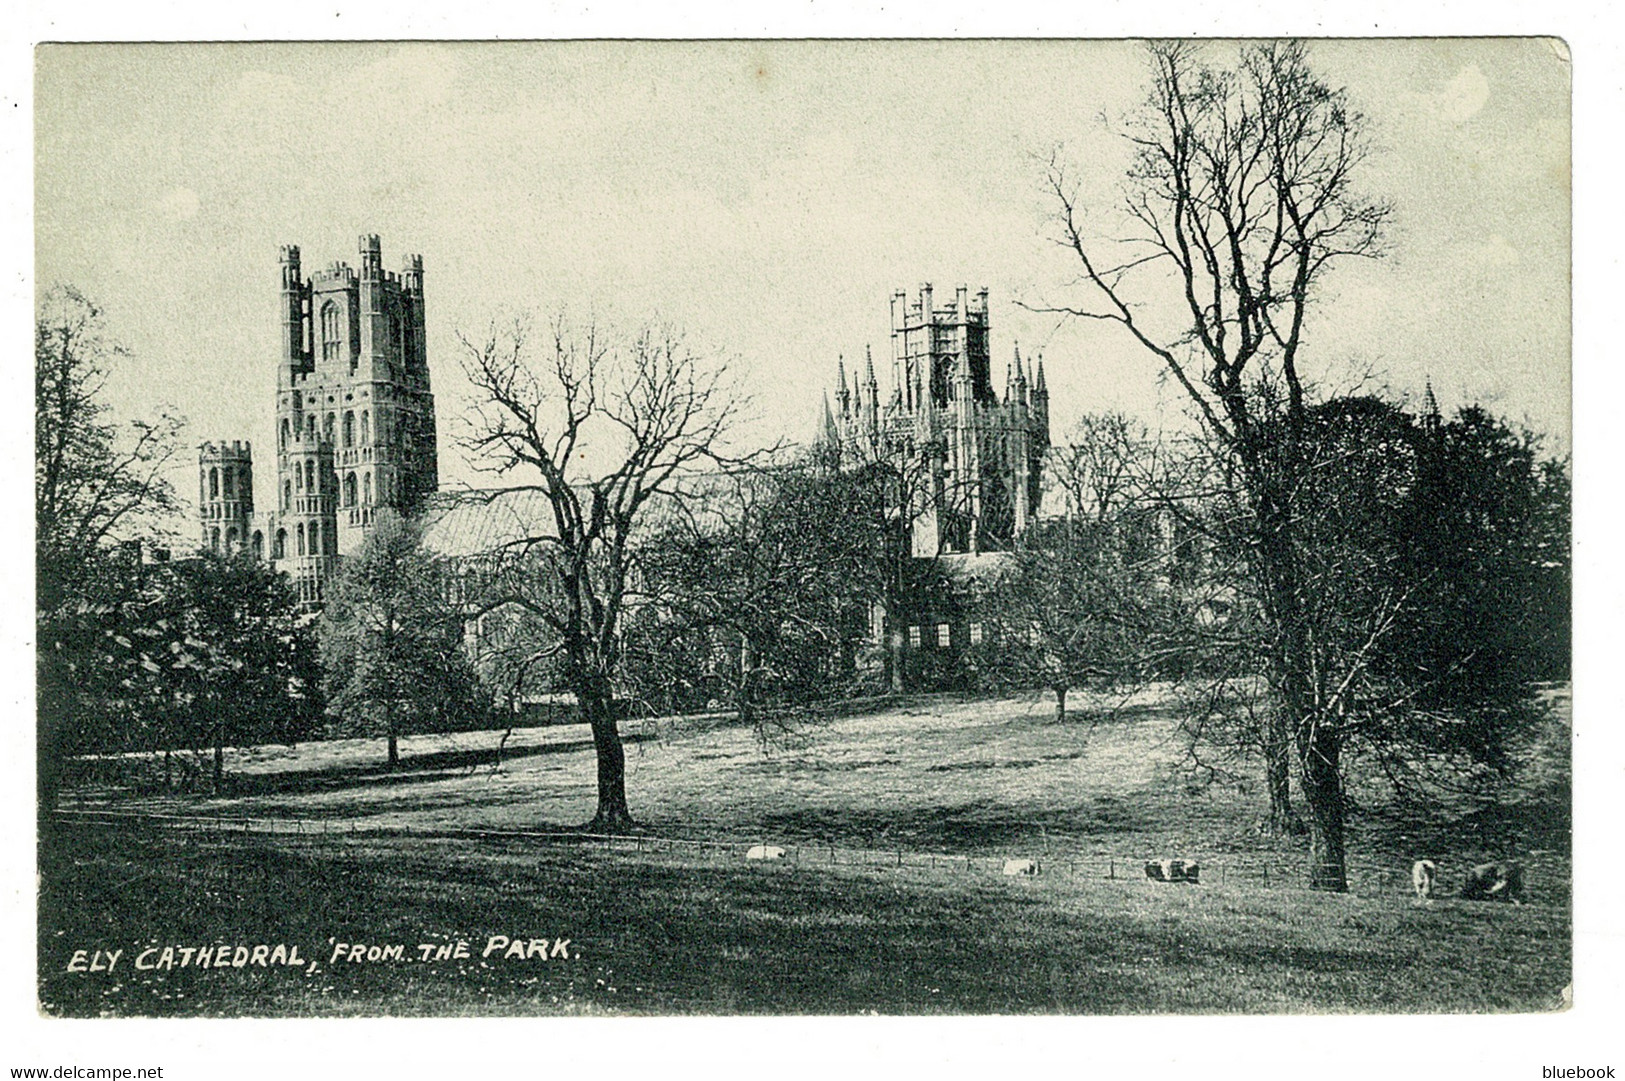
(968, 465)
(970, 462)
(355, 424)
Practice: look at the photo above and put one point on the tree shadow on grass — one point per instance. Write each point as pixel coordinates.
(648, 936)
(413, 769)
(975, 826)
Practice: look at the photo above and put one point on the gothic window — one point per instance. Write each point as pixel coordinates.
(214, 538)
(299, 534)
(287, 494)
(330, 330)
(349, 489)
(315, 538)
(366, 489)
(349, 429)
(231, 539)
(259, 545)
(227, 487)
(214, 483)
(310, 477)
(366, 427)
(310, 427)
(327, 428)
(279, 550)
(285, 433)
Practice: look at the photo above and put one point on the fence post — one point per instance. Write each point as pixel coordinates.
(1111, 871)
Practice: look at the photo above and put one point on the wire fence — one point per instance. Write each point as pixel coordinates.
(1249, 870)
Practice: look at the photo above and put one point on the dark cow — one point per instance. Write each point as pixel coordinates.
(1499, 881)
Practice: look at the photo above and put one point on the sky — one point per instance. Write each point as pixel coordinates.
(766, 198)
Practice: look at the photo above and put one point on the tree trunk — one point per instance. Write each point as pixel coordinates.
(394, 751)
(1322, 785)
(598, 709)
(896, 660)
(219, 763)
(1060, 704)
(747, 661)
(1278, 771)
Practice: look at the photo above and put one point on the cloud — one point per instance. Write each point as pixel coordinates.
(179, 204)
(1462, 97)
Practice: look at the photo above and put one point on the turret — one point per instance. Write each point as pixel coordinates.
(225, 495)
(843, 396)
(374, 321)
(294, 293)
(416, 356)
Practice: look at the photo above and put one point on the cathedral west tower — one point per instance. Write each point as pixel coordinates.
(355, 422)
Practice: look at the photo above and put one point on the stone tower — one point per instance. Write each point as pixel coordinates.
(355, 412)
(970, 460)
(225, 474)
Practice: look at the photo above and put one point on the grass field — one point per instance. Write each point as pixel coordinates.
(685, 930)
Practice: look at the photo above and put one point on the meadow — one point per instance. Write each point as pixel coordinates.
(895, 825)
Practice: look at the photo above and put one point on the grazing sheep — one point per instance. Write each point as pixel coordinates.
(1173, 871)
(1021, 867)
(765, 852)
(1423, 872)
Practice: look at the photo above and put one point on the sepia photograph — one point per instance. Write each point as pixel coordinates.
(803, 528)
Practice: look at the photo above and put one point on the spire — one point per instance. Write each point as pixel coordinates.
(1430, 409)
(871, 393)
(842, 395)
(832, 434)
(1038, 379)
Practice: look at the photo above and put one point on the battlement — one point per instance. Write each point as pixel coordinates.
(336, 271)
(236, 450)
(288, 253)
(922, 309)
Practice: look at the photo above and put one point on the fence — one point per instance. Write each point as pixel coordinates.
(1247, 870)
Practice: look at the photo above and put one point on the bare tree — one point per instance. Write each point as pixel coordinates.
(1242, 197)
(599, 430)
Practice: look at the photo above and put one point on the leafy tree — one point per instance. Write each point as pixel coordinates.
(391, 637)
(240, 665)
(96, 482)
